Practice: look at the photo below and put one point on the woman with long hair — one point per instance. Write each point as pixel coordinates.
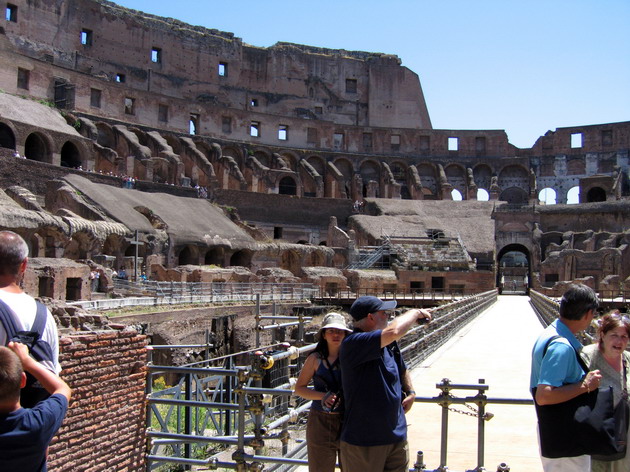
(324, 419)
(609, 355)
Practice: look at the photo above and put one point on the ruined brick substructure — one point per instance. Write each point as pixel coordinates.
(104, 429)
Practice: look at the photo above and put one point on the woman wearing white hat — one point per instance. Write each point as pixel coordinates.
(324, 419)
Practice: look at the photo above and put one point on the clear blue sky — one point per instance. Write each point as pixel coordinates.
(525, 66)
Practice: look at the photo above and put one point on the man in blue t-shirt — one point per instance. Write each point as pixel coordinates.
(557, 377)
(377, 388)
(26, 432)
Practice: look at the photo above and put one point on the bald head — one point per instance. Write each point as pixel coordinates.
(13, 251)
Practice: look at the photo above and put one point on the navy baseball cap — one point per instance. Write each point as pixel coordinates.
(363, 306)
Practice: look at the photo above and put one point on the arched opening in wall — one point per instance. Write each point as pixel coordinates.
(456, 195)
(105, 136)
(7, 138)
(35, 148)
(302, 241)
(456, 176)
(427, 173)
(344, 166)
(323, 243)
(290, 160)
(263, 158)
(242, 258)
(513, 274)
(547, 196)
(316, 259)
(187, 257)
(399, 171)
(77, 247)
(215, 256)
(339, 261)
(573, 195)
(70, 156)
(596, 194)
(37, 246)
(514, 196)
(483, 195)
(371, 177)
(290, 261)
(483, 177)
(287, 186)
(515, 182)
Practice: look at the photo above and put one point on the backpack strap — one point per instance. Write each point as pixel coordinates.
(577, 354)
(7, 320)
(40, 319)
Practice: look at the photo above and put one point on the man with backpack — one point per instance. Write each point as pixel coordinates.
(21, 315)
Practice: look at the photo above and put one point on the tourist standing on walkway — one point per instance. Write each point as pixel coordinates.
(610, 357)
(325, 416)
(377, 388)
(557, 377)
(22, 307)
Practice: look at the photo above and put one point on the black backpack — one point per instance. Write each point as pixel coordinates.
(33, 392)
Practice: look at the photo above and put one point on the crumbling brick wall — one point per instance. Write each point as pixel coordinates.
(104, 429)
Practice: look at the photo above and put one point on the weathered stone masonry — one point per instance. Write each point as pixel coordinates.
(105, 426)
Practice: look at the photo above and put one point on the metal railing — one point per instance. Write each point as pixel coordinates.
(242, 400)
(153, 293)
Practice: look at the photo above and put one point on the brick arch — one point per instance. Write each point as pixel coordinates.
(482, 173)
(456, 176)
(511, 177)
(263, 157)
(70, 155)
(291, 159)
(38, 147)
(318, 163)
(7, 135)
(106, 135)
(428, 177)
(234, 152)
(173, 142)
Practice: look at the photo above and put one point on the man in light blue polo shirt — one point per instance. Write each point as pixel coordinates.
(557, 376)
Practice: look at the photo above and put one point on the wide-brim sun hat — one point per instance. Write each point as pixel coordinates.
(335, 320)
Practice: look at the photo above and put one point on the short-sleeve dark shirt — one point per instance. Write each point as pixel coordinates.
(371, 380)
(26, 433)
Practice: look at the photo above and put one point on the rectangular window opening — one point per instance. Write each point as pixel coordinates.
(277, 232)
(193, 124)
(283, 132)
(607, 137)
(120, 78)
(480, 145)
(226, 124)
(156, 55)
(23, 78)
(453, 144)
(163, 113)
(254, 102)
(367, 142)
(86, 37)
(95, 98)
(425, 143)
(394, 140)
(11, 13)
(351, 85)
(254, 129)
(338, 141)
(319, 110)
(223, 69)
(311, 135)
(576, 140)
(130, 106)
